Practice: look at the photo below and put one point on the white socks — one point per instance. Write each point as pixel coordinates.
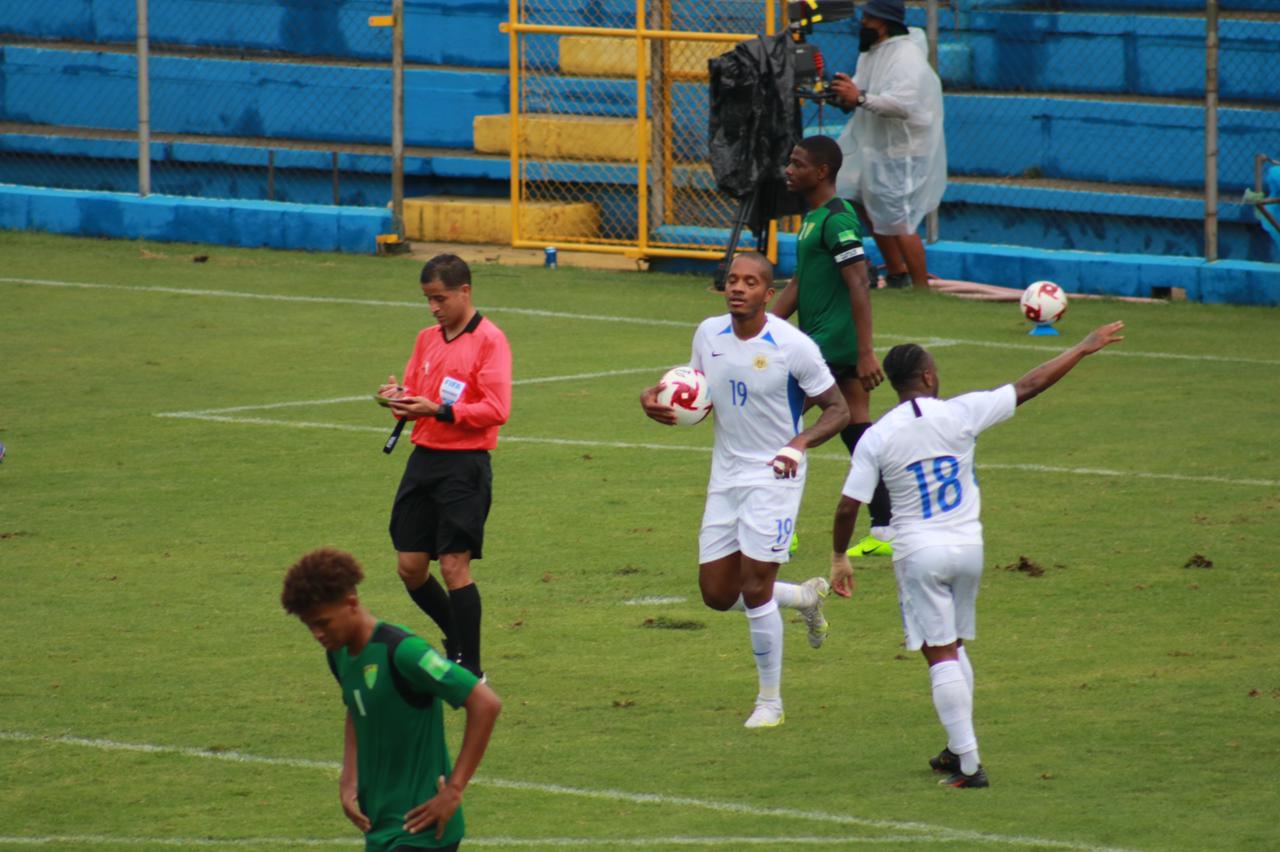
(793, 595)
(953, 699)
(962, 657)
(765, 625)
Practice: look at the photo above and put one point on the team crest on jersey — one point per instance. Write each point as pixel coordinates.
(434, 664)
(761, 362)
(370, 675)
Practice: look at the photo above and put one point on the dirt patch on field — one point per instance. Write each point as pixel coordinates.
(1024, 566)
(664, 623)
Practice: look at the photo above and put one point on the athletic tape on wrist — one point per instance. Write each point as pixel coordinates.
(787, 453)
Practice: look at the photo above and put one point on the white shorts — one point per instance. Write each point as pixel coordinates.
(754, 520)
(938, 593)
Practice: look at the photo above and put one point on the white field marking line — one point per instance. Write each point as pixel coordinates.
(537, 380)
(626, 445)
(96, 840)
(933, 342)
(342, 300)
(653, 600)
(938, 832)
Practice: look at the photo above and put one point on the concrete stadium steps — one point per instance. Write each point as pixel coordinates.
(240, 97)
(437, 32)
(1109, 48)
(488, 220)
(575, 137)
(1124, 7)
(1047, 213)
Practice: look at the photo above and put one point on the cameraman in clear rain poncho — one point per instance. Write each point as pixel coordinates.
(895, 155)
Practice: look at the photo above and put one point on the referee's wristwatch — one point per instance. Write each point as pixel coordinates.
(445, 413)
(862, 99)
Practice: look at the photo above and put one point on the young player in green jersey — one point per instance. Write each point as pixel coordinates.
(831, 293)
(397, 784)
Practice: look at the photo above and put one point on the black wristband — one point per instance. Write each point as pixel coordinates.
(445, 413)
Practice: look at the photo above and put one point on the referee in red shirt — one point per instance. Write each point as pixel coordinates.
(457, 389)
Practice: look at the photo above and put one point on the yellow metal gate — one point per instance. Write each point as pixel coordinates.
(607, 131)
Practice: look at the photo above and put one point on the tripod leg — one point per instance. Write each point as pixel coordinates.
(735, 236)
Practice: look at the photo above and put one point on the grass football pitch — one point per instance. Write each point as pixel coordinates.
(178, 433)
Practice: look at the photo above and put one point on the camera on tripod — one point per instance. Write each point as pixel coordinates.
(755, 98)
(807, 61)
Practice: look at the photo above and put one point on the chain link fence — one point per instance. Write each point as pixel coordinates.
(610, 133)
(1070, 125)
(1083, 125)
(281, 101)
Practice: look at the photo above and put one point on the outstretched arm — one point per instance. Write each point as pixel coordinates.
(1047, 374)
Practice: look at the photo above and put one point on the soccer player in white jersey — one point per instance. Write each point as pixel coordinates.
(924, 450)
(759, 371)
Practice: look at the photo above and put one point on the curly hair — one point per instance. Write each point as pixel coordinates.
(321, 577)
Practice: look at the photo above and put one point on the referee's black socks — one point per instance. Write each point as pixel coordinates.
(881, 516)
(466, 615)
(432, 599)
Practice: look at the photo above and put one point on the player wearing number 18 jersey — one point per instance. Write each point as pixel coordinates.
(924, 450)
(759, 371)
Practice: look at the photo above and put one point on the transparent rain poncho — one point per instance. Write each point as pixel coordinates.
(895, 155)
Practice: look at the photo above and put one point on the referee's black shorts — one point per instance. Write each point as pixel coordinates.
(443, 502)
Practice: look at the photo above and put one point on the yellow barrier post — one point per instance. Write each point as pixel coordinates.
(642, 132)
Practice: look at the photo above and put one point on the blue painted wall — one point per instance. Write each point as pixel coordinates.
(221, 222)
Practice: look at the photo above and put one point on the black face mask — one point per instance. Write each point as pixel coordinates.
(866, 38)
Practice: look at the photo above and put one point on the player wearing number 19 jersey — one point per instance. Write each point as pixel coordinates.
(759, 370)
(924, 450)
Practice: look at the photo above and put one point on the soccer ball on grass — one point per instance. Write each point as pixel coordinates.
(1044, 302)
(685, 390)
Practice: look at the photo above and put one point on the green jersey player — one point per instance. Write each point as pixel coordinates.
(830, 293)
(397, 784)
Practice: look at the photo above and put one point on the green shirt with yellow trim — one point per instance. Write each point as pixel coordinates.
(395, 690)
(830, 239)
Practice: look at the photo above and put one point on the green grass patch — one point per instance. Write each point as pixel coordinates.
(1124, 698)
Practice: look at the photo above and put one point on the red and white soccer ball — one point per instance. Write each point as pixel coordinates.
(1044, 302)
(685, 390)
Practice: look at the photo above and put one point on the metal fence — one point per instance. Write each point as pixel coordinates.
(608, 137)
(212, 98)
(1075, 127)
(1121, 128)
